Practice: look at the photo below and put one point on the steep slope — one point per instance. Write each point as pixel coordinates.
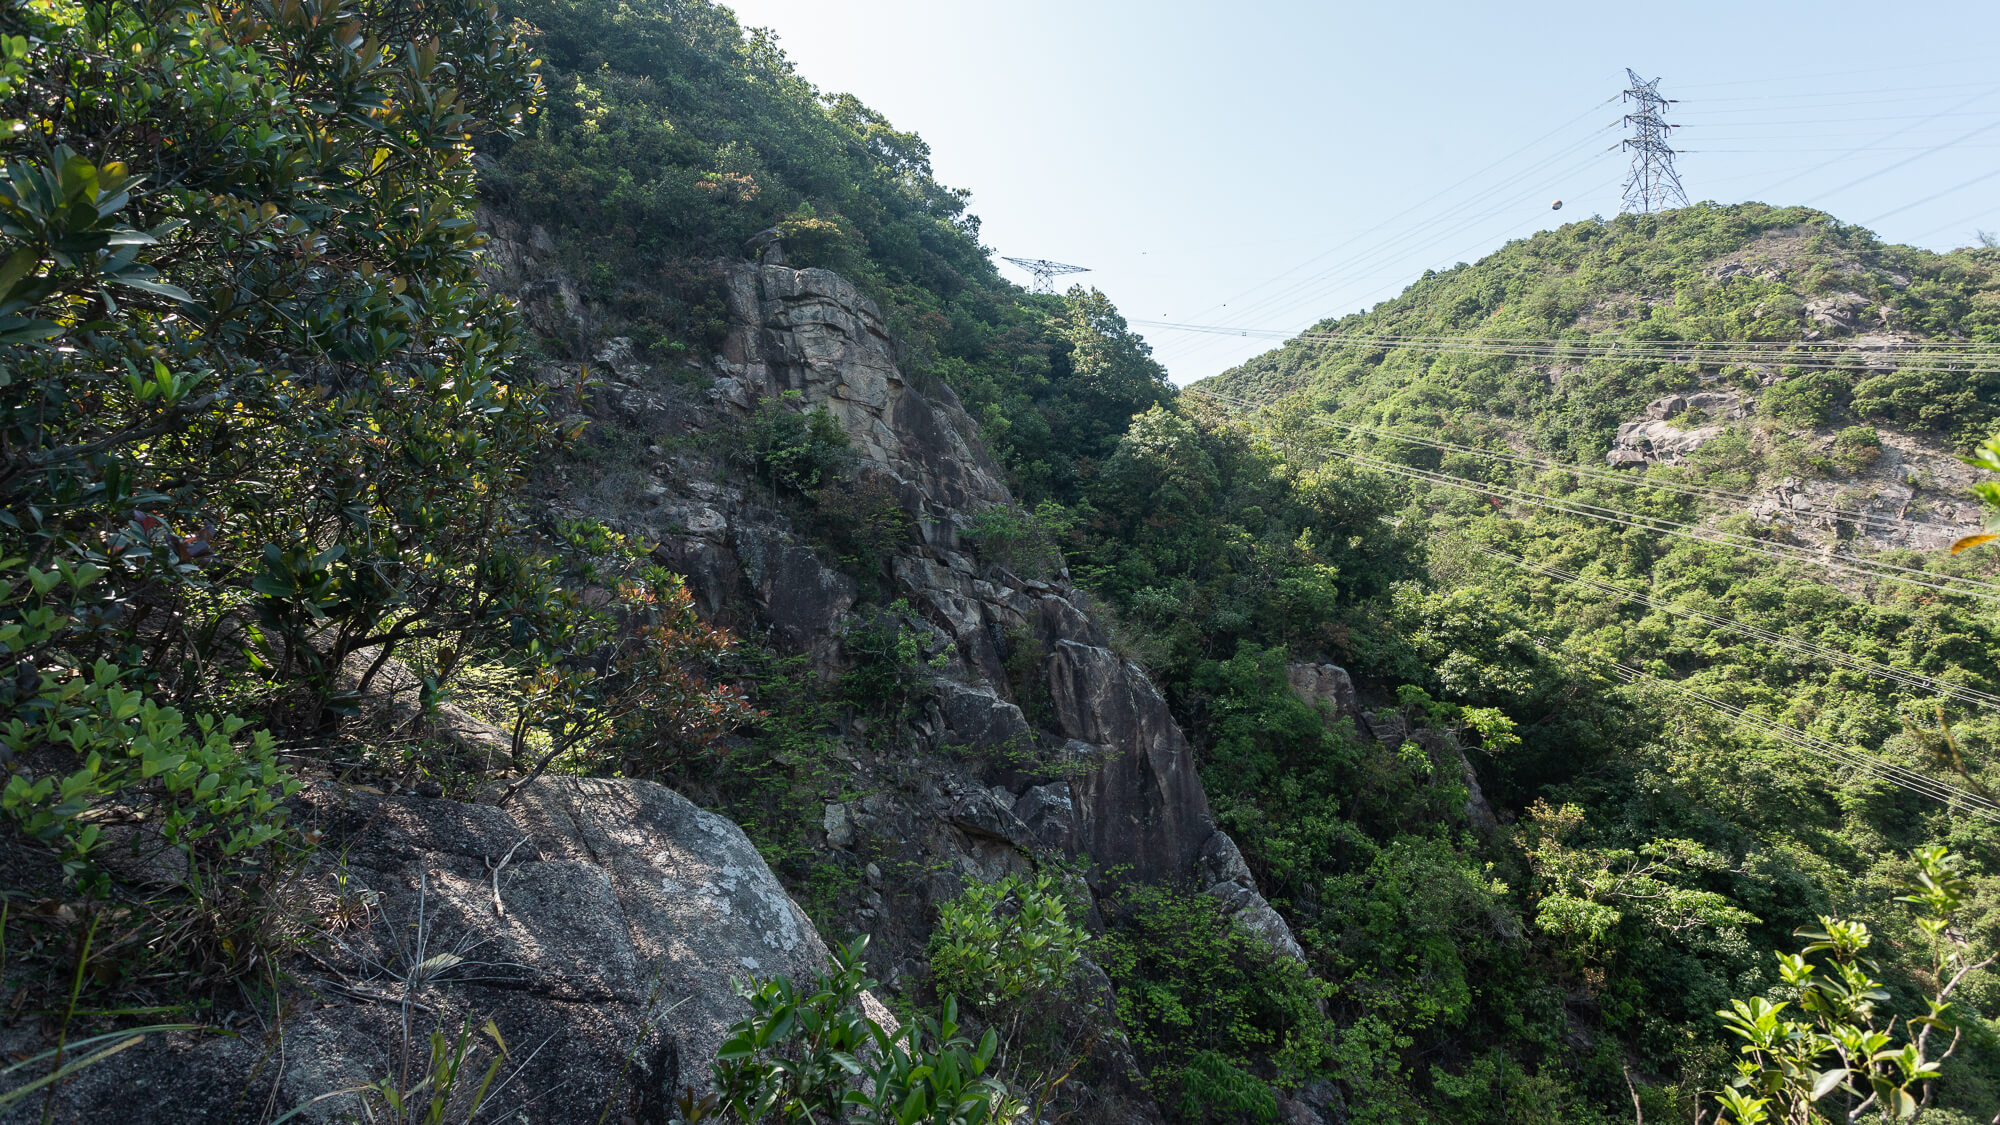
(1746, 272)
(671, 136)
(833, 458)
(1798, 468)
(1019, 739)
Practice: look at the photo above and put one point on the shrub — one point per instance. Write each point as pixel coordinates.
(1846, 1043)
(1000, 944)
(812, 1054)
(794, 449)
(1806, 399)
(315, 463)
(1012, 536)
(891, 659)
(629, 681)
(1857, 447)
(211, 796)
(1216, 1089)
(1196, 993)
(863, 520)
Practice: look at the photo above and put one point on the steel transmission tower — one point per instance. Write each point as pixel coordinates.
(1046, 272)
(1653, 185)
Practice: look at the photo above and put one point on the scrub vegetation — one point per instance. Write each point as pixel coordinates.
(265, 432)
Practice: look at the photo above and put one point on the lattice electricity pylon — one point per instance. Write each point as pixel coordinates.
(1653, 185)
(1046, 272)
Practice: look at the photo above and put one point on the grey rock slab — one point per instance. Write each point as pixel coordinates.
(1326, 685)
(604, 950)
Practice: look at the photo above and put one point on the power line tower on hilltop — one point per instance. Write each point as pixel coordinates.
(1653, 185)
(1046, 272)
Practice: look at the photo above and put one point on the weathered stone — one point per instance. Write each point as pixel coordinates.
(599, 922)
(1226, 878)
(1325, 685)
(838, 825)
(978, 718)
(803, 600)
(1144, 808)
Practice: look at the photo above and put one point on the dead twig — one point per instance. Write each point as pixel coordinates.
(500, 910)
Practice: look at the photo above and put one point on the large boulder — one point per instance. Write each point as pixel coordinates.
(599, 924)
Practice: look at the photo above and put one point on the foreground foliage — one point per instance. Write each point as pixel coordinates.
(808, 1052)
(265, 433)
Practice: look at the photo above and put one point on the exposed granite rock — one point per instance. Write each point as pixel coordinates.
(812, 331)
(1034, 739)
(1656, 438)
(1912, 495)
(1132, 799)
(1711, 404)
(1326, 685)
(595, 922)
(1229, 880)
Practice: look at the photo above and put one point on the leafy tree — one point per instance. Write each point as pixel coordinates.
(1845, 1057)
(265, 431)
(1010, 950)
(256, 382)
(1001, 943)
(258, 416)
(1589, 892)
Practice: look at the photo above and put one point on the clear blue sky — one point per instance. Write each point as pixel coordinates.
(1264, 165)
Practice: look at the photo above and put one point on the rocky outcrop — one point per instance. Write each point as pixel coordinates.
(1034, 739)
(597, 923)
(812, 332)
(1675, 426)
(1910, 495)
(1329, 688)
(1906, 495)
(1131, 800)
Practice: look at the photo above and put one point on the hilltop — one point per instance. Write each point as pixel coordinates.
(1708, 272)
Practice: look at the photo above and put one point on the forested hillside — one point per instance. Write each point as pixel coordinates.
(1527, 604)
(535, 544)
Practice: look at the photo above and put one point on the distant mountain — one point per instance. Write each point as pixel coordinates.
(1747, 272)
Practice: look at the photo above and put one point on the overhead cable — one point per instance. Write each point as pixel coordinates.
(1869, 568)
(1613, 476)
(1900, 776)
(1426, 201)
(1834, 656)
(1971, 357)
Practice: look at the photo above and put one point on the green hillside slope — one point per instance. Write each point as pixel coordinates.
(1746, 272)
(1591, 774)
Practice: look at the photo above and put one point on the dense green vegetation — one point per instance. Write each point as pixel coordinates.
(264, 431)
(1657, 851)
(1458, 972)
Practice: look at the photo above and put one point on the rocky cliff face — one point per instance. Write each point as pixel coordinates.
(1910, 494)
(1035, 740)
(1104, 774)
(1114, 782)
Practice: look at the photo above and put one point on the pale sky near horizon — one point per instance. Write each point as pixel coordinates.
(1263, 165)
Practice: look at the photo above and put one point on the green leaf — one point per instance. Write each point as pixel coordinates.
(160, 288)
(1828, 1081)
